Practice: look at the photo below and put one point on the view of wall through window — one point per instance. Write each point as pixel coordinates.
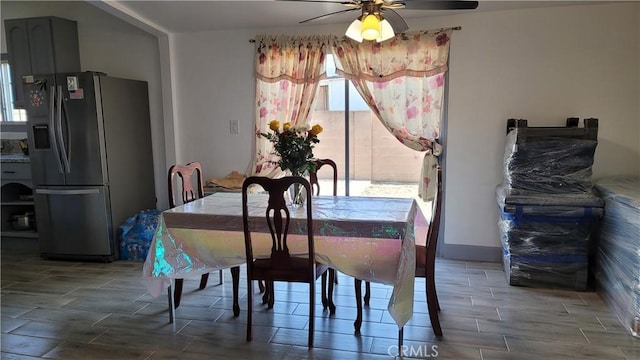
(379, 165)
(6, 97)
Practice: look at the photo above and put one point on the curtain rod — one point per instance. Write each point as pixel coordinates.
(452, 28)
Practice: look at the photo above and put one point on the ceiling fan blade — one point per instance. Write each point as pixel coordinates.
(322, 1)
(329, 14)
(397, 22)
(440, 5)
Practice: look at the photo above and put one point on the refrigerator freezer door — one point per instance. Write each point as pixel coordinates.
(83, 148)
(75, 222)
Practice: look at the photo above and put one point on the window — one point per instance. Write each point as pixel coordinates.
(6, 96)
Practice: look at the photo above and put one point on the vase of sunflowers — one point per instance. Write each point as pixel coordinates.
(294, 145)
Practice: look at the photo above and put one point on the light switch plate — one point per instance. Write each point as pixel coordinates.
(234, 126)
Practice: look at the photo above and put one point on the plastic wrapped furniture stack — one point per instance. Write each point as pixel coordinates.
(549, 214)
(618, 269)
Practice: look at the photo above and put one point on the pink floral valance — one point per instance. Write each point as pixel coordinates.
(297, 59)
(416, 54)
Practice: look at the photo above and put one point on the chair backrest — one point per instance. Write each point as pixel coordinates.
(434, 226)
(313, 176)
(187, 192)
(276, 220)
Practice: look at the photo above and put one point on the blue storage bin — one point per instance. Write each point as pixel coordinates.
(548, 246)
(136, 235)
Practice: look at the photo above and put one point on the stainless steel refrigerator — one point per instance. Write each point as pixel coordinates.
(91, 161)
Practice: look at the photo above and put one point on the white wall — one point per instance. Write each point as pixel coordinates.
(115, 47)
(542, 64)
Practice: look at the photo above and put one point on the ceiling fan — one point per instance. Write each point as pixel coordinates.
(379, 20)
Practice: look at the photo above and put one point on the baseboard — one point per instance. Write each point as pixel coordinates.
(470, 252)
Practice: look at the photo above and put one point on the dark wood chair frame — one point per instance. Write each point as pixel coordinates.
(189, 194)
(280, 266)
(427, 272)
(315, 187)
(315, 190)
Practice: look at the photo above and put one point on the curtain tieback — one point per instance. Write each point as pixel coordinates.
(436, 148)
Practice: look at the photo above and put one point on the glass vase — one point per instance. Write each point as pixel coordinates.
(298, 195)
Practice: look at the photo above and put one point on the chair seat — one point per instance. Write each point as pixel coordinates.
(264, 270)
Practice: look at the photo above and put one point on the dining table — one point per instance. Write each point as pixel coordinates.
(369, 238)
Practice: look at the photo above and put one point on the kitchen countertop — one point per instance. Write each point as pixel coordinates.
(14, 158)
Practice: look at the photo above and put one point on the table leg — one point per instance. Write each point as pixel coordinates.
(177, 292)
(171, 307)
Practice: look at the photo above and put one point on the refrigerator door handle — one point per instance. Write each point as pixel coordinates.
(65, 115)
(52, 133)
(67, 192)
(63, 149)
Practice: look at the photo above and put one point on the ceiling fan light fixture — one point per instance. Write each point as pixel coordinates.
(386, 32)
(354, 31)
(371, 27)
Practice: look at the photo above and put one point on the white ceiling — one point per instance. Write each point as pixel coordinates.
(194, 16)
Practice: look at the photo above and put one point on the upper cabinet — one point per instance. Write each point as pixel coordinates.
(40, 45)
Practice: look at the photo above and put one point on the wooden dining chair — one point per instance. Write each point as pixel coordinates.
(313, 176)
(188, 193)
(315, 186)
(281, 265)
(425, 267)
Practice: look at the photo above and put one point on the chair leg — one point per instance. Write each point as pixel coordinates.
(431, 278)
(261, 286)
(323, 283)
(435, 295)
(367, 292)
(400, 340)
(358, 323)
(266, 293)
(221, 278)
(177, 292)
(332, 306)
(432, 306)
(272, 294)
(235, 279)
(203, 281)
(249, 308)
(312, 310)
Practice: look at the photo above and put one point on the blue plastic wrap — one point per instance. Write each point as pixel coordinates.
(548, 164)
(136, 235)
(549, 213)
(618, 273)
(548, 246)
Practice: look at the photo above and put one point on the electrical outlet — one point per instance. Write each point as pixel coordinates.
(234, 126)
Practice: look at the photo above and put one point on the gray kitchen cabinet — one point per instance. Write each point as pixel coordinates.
(16, 199)
(40, 45)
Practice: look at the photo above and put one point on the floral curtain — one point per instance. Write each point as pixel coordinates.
(402, 81)
(288, 70)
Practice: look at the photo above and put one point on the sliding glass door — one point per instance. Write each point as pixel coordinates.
(371, 162)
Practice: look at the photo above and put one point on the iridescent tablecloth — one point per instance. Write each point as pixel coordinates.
(368, 238)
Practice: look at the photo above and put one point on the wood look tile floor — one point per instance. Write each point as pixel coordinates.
(80, 310)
